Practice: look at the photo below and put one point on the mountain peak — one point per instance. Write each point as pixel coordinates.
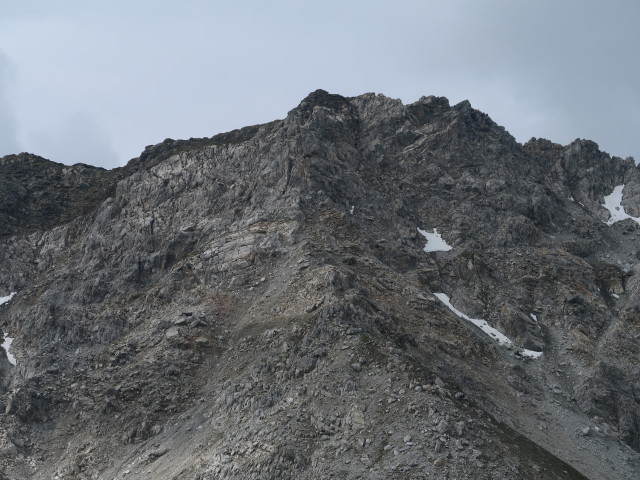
(365, 289)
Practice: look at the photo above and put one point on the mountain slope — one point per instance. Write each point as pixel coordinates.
(260, 305)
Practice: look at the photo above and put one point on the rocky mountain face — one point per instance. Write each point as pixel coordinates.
(261, 304)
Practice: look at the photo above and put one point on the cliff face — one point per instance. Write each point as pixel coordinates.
(261, 305)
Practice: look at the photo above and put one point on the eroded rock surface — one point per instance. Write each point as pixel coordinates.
(259, 304)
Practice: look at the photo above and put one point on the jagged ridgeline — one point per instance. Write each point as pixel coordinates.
(364, 289)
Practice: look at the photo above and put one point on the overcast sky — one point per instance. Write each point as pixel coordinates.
(95, 82)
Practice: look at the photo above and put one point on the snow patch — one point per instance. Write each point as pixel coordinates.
(7, 298)
(613, 203)
(615, 296)
(530, 353)
(482, 324)
(435, 242)
(494, 333)
(352, 209)
(535, 319)
(6, 344)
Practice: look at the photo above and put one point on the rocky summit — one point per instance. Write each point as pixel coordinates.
(363, 290)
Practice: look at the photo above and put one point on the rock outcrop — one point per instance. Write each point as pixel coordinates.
(259, 304)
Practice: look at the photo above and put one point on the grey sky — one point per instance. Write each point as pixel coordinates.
(95, 82)
(8, 126)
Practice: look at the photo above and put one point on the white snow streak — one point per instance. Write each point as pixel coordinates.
(485, 327)
(613, 203)
(535, 319)
(482, 324)
(6, 299)
(435, 242)
(6, 344)
(530, 353)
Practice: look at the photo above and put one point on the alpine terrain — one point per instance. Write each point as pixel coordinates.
(364, 289)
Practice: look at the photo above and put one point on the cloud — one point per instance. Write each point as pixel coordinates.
(149, 70)
(8, 125)
(80, 139)
(560, 70)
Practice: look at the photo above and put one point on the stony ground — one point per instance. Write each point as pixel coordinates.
(259, 305)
